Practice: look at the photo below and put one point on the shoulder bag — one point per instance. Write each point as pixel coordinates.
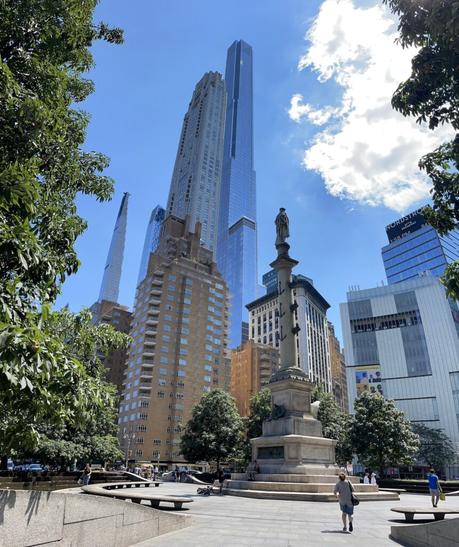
(354, 500)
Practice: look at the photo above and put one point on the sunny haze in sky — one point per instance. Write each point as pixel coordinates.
(328, 146)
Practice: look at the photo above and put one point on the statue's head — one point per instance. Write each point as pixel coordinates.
(281, 209)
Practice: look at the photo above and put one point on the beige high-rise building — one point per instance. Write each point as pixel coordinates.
(310, 309)
(179, 332)
(252, 365)
(119, 317)
(338, 370)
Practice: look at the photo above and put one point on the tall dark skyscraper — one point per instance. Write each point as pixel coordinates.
(237, 231)
(110, 286)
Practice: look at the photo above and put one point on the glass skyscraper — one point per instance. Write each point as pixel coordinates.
(237, 231)
(151, 239)
(195, 185)
(110, 286)
(416, 247)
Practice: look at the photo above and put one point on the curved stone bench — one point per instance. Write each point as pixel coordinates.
(438, 512)
(129, 484)
(136, 496)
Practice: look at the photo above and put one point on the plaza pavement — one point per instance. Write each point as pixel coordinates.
(230, 521)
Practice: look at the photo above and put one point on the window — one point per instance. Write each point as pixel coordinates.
(166, 338)
(161, 382)
(182, 362)
(160, 394)
(166, 328)
(164, 349)
(163, 371)
(181, 373)
(184, 341)
(167, 317)
(208, 368)
(171, 288)
(188, 281)
(163, 360)
(183, 351)
(170, 297)
(172, 277)
(187, 301)
(207, 379)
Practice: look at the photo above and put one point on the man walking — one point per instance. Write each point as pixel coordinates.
(434, 487)
(343, 489)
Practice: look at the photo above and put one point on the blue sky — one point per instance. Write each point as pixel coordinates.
(142, 92)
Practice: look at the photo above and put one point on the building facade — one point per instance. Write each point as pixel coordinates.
(252, 366)
(151, 242)
(119, 317)
(179, 331)
(416, 247)
(109, 289)
(338, 370)
(312, 343)
(403, 341)
(237, 238)
(107, 309)
(196, 180)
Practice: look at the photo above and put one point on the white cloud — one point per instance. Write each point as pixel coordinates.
(367, 151)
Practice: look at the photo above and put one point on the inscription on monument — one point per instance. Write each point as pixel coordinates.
(270, 452)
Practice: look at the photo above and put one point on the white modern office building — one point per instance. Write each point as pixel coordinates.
(403, 340)
(310, 315)
(196, 180)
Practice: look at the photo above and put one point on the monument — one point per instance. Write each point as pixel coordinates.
(294, 459)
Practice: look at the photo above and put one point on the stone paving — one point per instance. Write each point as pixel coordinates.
(230, 521)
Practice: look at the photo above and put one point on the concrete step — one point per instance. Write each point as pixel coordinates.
(308, 487)
(304, 496)
(332, 479)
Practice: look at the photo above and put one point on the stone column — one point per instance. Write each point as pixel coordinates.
(283, 266)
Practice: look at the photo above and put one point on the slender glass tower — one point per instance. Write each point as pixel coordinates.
(109, 289)
(195, 185)
(237, 237)
(151, 239)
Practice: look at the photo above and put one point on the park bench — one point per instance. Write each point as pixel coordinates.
(134, 494)
(131, 484)
(438, 512)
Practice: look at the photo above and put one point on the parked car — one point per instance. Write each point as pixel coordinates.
(35, 468)
(10, 464)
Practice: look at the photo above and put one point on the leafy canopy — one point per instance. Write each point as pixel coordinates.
(214, 431)
(44, 51)
(381, 435)
(87, 432)
(335, 425)
(431, 94)
(436, 448)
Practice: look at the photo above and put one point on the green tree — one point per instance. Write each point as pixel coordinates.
(431, 94)
(381, 435)
(436, 448)
(92, 434)
(44, 51)
(335, 425)
(215, 430)
(260, 410)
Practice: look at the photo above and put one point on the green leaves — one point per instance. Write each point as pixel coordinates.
(46, 376)
(431, 94)
(381, 435)
(215, 430)
(436, 448)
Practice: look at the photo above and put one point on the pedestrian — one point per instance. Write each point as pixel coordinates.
(434, 487)
(373, 479)
(155, 473)
(343, 490)
(86, 476)
(221, 480)
(366, 478)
